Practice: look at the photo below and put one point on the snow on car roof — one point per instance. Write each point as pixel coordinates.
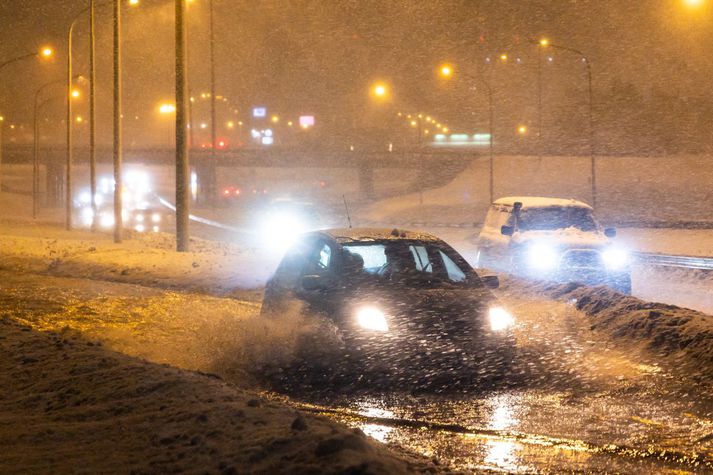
(540, 202)
(376, 234)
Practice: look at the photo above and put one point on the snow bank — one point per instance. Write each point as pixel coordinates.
(677, 336)
(68, 402)
(629, 189)
(216, 268)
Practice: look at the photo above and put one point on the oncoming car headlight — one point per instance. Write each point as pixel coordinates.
(615, 258)
(280, 230)
(371, 318)
(542, 257)
(500, 319)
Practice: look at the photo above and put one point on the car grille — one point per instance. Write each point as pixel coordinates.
(582, 259)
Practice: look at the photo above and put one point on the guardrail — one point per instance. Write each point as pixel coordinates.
(664, 260)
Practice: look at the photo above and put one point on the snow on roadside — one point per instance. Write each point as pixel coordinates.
(216, 268)
(68, 402)
(678, 336)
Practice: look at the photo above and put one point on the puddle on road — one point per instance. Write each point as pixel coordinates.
(492, 438)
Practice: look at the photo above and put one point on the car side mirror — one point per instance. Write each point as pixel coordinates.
(313, 282)
(507, 230)
(610, 232)
(491, 281)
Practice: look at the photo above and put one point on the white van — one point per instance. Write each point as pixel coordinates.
(554, 239)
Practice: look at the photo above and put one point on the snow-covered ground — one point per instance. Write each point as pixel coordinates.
(70, 405)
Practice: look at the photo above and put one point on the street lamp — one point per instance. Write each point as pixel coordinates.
(544, 43)
(380, 91)
(92, 116)
(167, 109)
(694, 3)
(36, 128)
(446, 70)
(491, 162)
(44, 53)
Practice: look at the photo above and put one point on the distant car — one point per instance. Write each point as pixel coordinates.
(552, 238)
(232, 195)
(394, 297)
(282, 220)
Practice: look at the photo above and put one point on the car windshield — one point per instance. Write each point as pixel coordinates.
(422, 264)
(556, 217)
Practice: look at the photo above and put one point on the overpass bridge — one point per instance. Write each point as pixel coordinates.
(436, 166)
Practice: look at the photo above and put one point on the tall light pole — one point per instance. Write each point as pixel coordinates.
(182, 173)
(2, 125)
(446, 71)
(543, 42)
(117, 158)
(46, 53)
(592, 152)
(213, 134)
(92, 117)
(92, 109)
(36, 128)
(68, 161)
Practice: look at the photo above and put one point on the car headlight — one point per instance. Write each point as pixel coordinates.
(542, 257)
(281, 230)
(106, 220)
(500, 319)
(615, 258)
(371, 318)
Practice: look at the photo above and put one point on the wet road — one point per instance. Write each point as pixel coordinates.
(575, 402)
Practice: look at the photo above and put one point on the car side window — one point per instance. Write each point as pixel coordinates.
(455, 274)
(421, 259)
(290, 269)
(319, 259)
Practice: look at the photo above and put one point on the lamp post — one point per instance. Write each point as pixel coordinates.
(46, 53)
(182, 173)
(2, 124)
(92, 118)
(543, 43)
(35, 156)
(117, 158)
(446, 71)
(92, 111)
(213, 134)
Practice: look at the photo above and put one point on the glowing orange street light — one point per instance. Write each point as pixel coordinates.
(522, 130)
(46, 52)
(380, 91)
(446, 71)
(544, 42)
(694, 3)
(503, 57)
(167, 109)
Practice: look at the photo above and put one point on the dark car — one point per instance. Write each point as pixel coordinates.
(393, 297)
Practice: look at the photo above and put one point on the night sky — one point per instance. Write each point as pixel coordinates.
(320, 57)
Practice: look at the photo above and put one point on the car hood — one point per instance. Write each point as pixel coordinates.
(569, 237)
